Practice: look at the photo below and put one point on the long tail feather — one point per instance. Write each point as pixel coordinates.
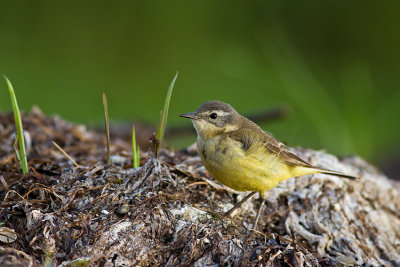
(338, 174)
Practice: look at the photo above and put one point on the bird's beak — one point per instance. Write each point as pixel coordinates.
(190, 115)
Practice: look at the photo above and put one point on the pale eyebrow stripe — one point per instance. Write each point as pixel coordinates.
(221, 113)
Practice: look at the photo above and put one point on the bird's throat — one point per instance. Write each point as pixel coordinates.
(206, 130)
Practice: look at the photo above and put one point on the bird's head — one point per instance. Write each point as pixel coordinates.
(213, 118)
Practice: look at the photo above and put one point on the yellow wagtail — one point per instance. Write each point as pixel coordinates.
(239, 154)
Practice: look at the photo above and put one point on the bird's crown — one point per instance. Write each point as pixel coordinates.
(215, 105)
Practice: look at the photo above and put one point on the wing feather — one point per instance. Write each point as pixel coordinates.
(287, 155)
(253, 136)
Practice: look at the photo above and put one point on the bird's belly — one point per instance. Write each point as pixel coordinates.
(232, 167)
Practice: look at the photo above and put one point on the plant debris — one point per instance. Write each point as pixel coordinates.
(167, 212)
(7, 235)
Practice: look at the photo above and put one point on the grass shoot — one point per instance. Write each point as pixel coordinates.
(135, 150)
(164, 113)
(21, 152)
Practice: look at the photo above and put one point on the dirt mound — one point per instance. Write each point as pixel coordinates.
(167, 211)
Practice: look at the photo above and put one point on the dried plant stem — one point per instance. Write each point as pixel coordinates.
(107, 124)
(65, 154)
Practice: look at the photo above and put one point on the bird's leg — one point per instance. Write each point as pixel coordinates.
(226, 214)
(262, 198)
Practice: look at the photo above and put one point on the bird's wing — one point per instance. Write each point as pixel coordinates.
(288, 156)
(250, 136)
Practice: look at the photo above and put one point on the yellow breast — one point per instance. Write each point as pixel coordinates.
(253, 170)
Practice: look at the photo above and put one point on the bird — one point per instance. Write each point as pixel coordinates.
(242, 156)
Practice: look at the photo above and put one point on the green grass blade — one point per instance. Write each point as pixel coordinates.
(17, 153)
(135, 150)
(133, 147)
(137, 163)
(107, 125)
(164, 114)
(18, 127)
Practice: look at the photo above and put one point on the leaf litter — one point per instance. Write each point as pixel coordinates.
(167, 212)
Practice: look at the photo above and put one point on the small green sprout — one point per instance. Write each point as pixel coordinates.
(20, 151)
(135, 150)
(164, 112)
(117, 181)
(47, 258)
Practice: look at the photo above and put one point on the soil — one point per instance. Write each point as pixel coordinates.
(167, 212)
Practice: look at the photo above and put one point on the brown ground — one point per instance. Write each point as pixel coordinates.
(71, 216)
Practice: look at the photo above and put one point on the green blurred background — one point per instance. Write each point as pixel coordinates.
(335, 63)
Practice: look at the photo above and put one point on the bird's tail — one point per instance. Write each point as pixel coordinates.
(340, 174)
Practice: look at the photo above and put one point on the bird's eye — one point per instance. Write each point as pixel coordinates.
(213, 116)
